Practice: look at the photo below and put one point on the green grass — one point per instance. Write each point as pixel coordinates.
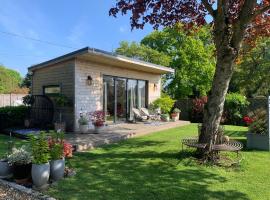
(152, 167)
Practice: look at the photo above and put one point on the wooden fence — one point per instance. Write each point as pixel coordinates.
(11, 99)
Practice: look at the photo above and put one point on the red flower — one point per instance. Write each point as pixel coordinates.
(248, 120)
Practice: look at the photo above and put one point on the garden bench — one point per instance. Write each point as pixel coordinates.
(232, 145)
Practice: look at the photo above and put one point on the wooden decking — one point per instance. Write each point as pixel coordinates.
(117, 132)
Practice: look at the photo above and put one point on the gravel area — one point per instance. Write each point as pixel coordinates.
(12, 191)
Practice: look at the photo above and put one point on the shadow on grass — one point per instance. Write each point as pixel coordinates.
(139, 175)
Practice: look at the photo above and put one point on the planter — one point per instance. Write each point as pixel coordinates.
(165, 118)
(83, 128)
(40, 174)
(57, 169)
(174, 117)
(21, 172)
(60, 126)
(98, 129)
(258, 141)
(5, 169)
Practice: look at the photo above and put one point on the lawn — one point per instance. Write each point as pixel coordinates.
(152, 167)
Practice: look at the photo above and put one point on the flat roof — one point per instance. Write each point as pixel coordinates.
(105, 57)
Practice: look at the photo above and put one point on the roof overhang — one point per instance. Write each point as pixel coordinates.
(103, 57)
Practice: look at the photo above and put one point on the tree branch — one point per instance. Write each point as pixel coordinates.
(209, 8)
(261, 11)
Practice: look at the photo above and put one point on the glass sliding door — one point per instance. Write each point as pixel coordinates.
(108, 97)
(141, 94)
(121, 95)
(121, 99)
(132, 95)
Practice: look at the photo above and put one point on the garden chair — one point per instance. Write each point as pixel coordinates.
(146, 112)
(138, 115)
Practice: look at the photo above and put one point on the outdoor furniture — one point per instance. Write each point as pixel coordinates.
(146, 112)
(232, 145)
(138, 115)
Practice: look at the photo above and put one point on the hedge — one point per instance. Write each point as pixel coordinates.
(12, 116)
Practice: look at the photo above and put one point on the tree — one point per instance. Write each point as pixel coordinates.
(142, 52)
(9, 80)
(253, 63)
(191, 55)
(26, 82)
(233, 21)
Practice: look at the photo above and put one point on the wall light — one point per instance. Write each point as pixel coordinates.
(155, 86)
(89, 80)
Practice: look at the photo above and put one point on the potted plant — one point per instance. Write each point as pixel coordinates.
(57, 163)
(98, 120)
(40, 165)
(5, 167)
(258, 133)
(20, 159)
(165, 103)
(175, 114)
(83, 124)
(165, 117)
(61, 101)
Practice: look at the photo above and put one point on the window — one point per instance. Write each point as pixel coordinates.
(51, 90)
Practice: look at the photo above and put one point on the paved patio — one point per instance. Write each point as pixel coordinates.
(117, 132)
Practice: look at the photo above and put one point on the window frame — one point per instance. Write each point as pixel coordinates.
(52, 94)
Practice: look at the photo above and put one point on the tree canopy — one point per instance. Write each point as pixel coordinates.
(252, 77)
(9, 80)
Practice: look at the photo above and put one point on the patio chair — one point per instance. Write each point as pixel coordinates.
(146, 112)
(138, 115)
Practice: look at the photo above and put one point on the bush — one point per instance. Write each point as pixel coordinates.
(258, 121)
(235, 108)
(56, 145)
(197, 109)
(165, 103)
(12, 116)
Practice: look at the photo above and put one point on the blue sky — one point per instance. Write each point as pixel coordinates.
(74, 23)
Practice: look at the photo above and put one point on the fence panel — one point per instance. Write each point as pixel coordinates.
(11, 99)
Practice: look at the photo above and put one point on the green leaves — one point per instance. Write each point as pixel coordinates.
(40, 148)
(9, 80)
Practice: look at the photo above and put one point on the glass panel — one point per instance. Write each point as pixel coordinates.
(52, 89)
(108, 97)
(132, 97)
(121, 99)
(142, 94)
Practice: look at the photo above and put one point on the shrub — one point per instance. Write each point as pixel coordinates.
(259, 122)
(165, 103)
(40, 148)
(234, 108)
(12, 116)
(197, 109)
(20, 156)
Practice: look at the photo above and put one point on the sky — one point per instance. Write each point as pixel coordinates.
(69, 24)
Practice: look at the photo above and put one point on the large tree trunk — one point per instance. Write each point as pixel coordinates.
(214, 108)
